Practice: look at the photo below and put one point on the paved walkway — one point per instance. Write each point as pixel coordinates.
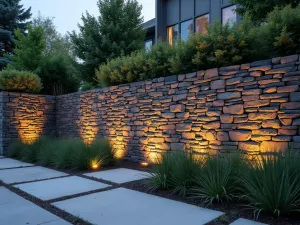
(91, 200)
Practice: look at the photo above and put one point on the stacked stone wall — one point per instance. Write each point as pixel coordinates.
(26, 117)
(254, 108)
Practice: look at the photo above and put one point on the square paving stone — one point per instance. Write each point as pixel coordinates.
(246, 222)
(28, 174)
(128, 207)
(60, 187)
(119, 176)
(16, 210)
(7, 163)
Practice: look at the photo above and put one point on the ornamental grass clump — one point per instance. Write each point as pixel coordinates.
(64, 153)
(184, 169)
(160, 178)
(217, 179)
(272, 184)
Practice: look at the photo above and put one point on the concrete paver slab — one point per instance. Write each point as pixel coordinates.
(60, 187)
(28, 174)
(128, 207)
(246, 222)
(7, 163)
(119, 176)
(19, 211)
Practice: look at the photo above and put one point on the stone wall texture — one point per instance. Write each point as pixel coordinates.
(26, 117)
(253, 108)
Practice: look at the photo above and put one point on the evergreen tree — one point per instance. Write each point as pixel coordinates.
(12, 16)
(116, 32)
(259, 9)
(28, 54)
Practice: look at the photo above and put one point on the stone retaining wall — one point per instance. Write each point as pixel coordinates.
(252, 107)
(26, 117)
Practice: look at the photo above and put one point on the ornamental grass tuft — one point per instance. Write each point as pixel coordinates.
(64, 153)
(272, 184)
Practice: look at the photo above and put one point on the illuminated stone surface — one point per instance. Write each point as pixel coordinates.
(17, 211)
(246, 222)
(11, 163)
(65, 186)
(119, 176)
(28, 174)
(120, 206)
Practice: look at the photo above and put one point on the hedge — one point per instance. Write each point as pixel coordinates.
(221, 46)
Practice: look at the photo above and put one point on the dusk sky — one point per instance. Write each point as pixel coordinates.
(67, 13)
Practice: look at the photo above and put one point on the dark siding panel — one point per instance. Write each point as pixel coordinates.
(187, 9)
(202, 7)
(226, 3)
(215, 10)
(172, 12)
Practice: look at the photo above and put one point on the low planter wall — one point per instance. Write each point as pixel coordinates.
(254, 108)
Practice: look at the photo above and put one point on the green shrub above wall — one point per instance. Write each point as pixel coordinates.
(20, 81)
(221, 46)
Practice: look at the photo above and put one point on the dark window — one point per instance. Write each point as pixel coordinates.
(173, 32)
(187, 28)
(229, 15)
(148, 44)
(202, 23)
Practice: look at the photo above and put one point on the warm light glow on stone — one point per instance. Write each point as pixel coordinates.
(29, 122)
(155, 157)
(87, 124)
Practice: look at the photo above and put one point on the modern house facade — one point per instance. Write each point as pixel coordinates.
(179, 18)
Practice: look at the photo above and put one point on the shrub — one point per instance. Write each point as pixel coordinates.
(21, 81)
(217, 179)
(272, 184)
(283, 31)
(57, 75)
(221, 46)
(64, 154)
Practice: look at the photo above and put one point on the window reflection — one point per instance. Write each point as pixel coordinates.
(229, 15)
(187, 28)
(148, 44)
(173, 32)
(202, 23)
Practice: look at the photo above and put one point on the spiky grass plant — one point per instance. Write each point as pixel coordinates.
(272, 184)
(65, 156)
(47, 152)
(102, 153)
(15, 149)
(161, 177)
(216, 180)
(184, 169)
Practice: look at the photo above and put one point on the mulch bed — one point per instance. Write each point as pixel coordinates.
(233, 211)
